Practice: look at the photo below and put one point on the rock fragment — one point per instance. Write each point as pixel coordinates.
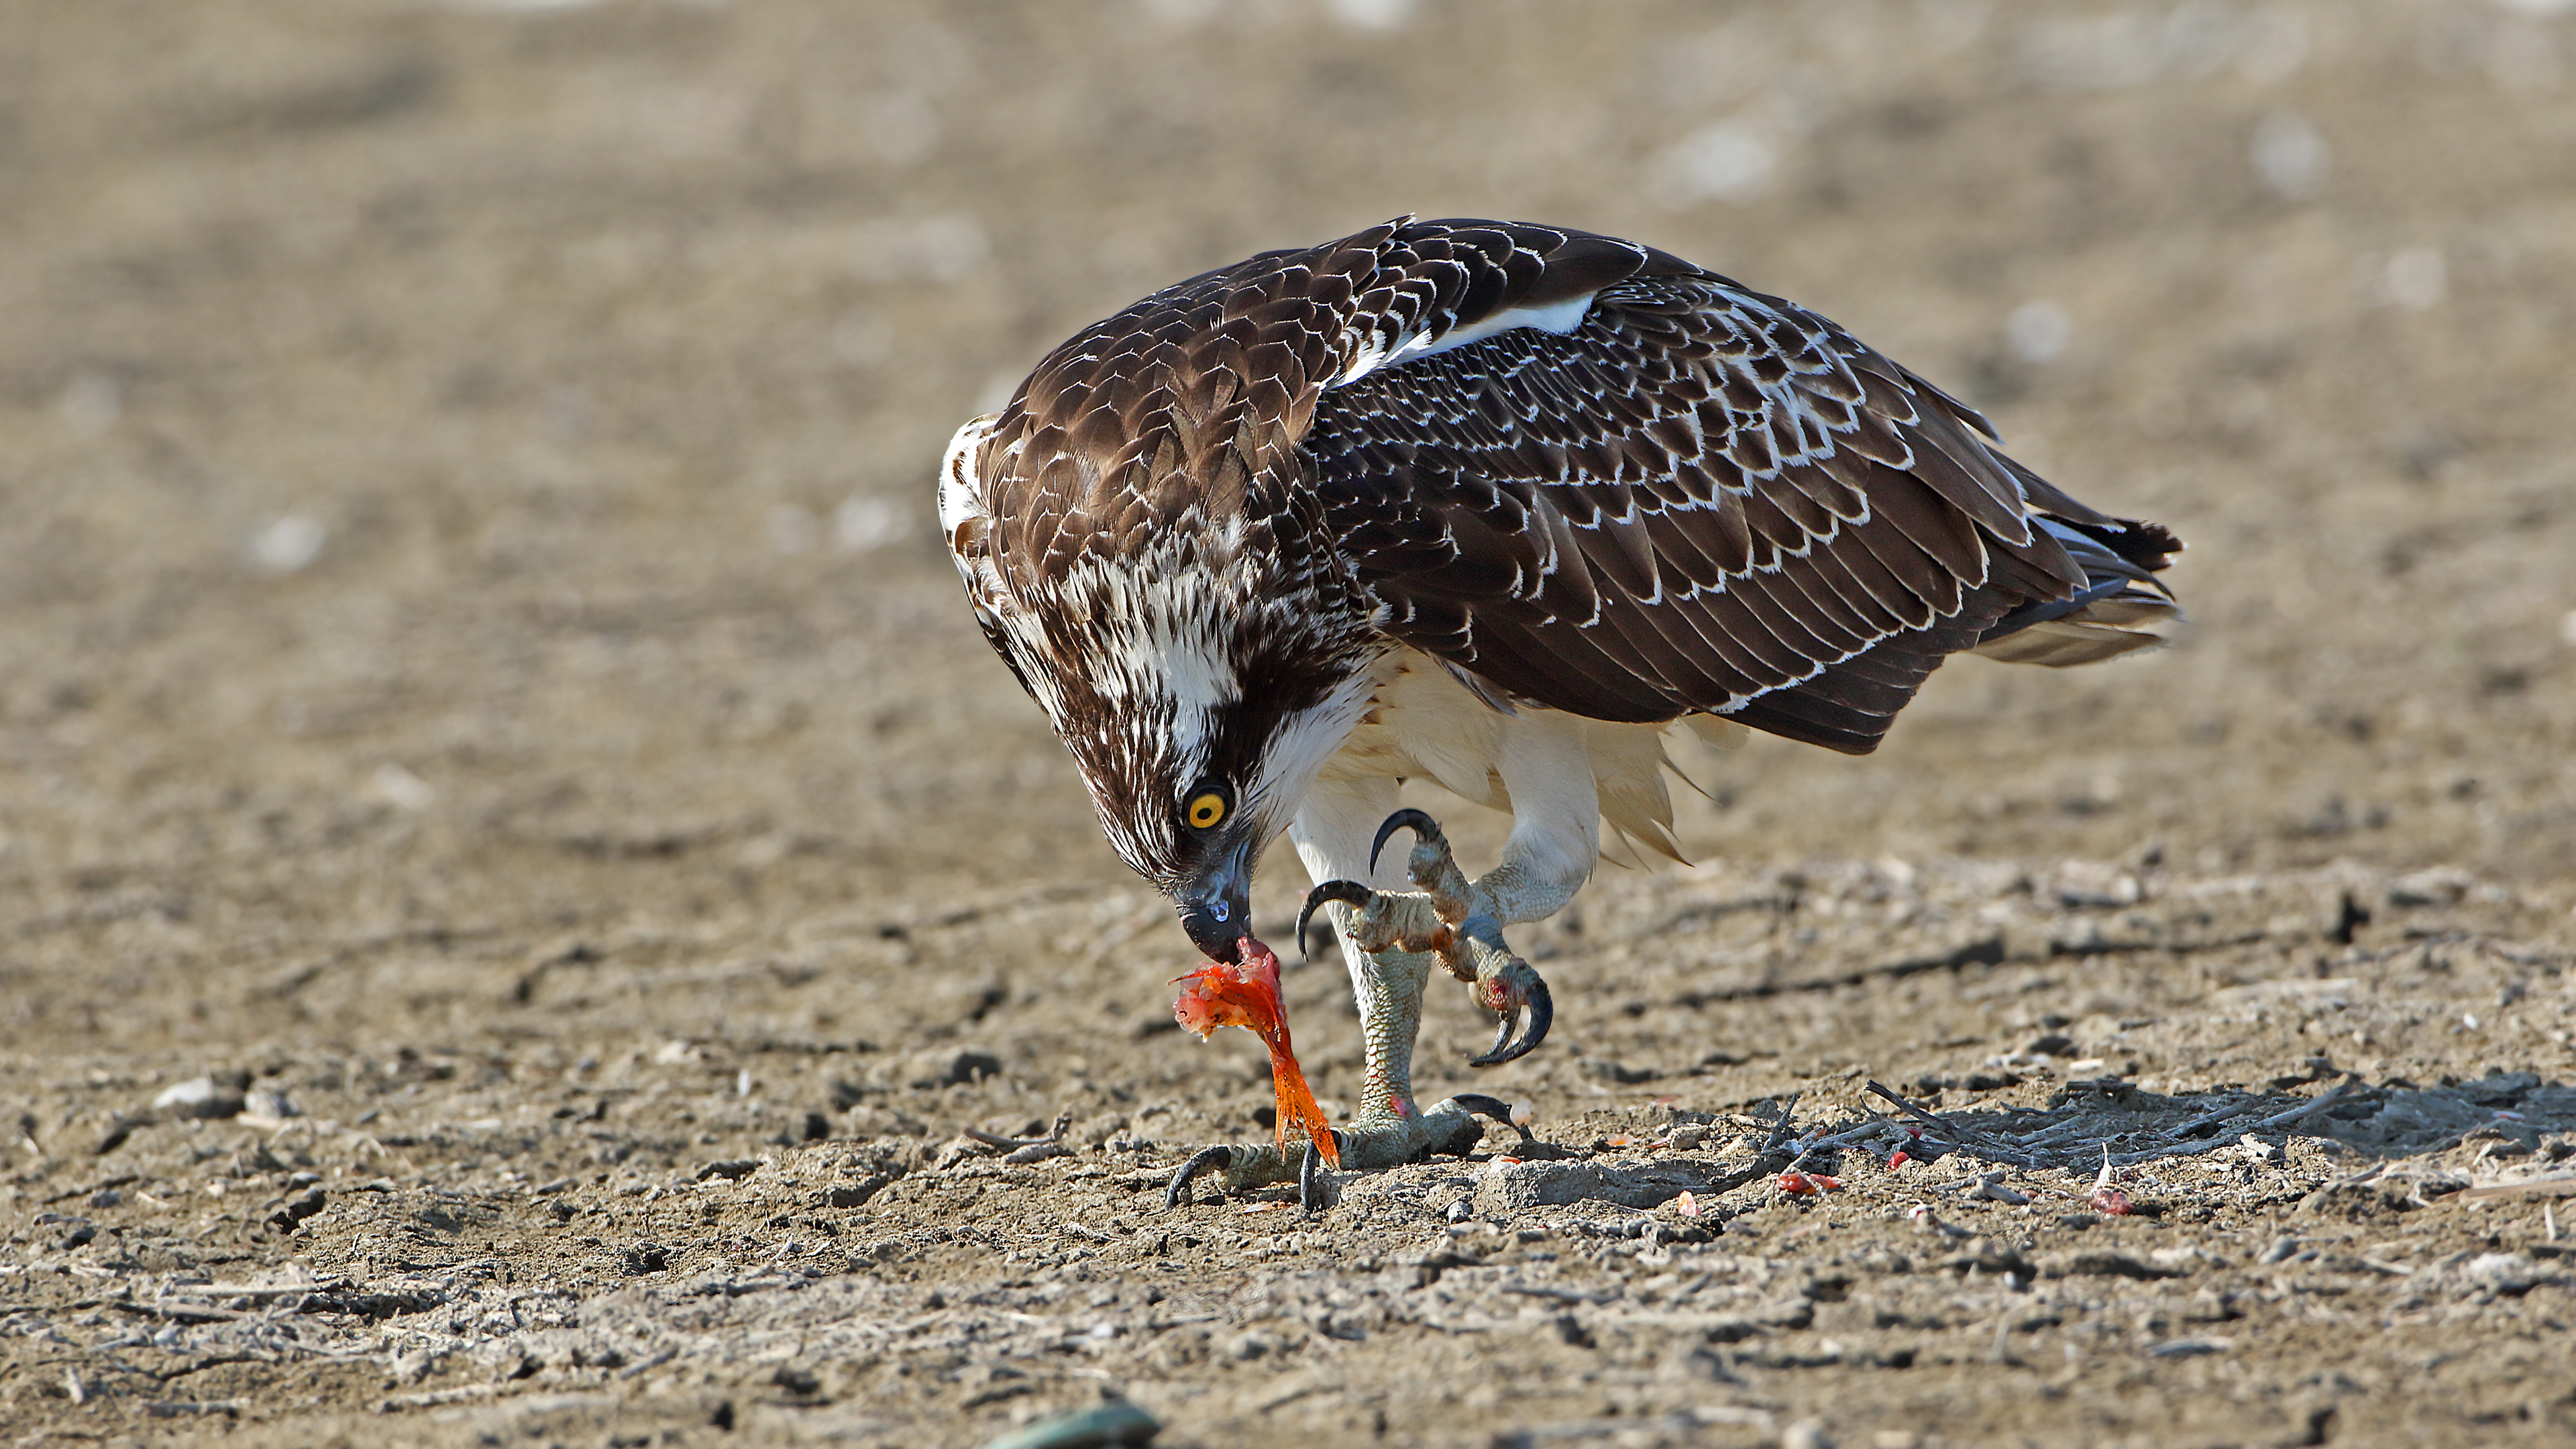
(1112, 1423)
(200, 1097)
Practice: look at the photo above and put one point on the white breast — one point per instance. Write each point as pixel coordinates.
(1576, 774)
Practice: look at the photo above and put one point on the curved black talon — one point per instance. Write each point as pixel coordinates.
(1310, 1177)
(1542, 1014)
(1492, 1107)
(1422, 826)
(1178, 1194)
(1348, 892)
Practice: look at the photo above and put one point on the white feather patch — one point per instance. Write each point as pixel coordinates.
(1557, 317)
(958, 499)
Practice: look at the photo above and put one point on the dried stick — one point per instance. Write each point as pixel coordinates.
(1965, 1139)
(1767, 1158)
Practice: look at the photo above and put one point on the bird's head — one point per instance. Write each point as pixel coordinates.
(1199, 702)
(1209, 875)
(1198, 753)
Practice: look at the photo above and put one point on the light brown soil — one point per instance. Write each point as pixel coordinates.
(478, 686)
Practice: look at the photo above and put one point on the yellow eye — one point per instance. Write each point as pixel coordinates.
(1206, 810)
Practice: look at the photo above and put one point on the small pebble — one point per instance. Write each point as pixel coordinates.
(1115, 1422)
(267, 1106)
(198, 1097)
(1805, 1434)
(1991, 1188)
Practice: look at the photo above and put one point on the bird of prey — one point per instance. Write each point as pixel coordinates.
(1491, 505)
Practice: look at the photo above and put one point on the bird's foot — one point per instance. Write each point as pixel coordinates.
(1375, 1142)
(1445, 919)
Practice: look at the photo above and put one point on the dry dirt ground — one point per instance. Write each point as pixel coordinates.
(518, 878)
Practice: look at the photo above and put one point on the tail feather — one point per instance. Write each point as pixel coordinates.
(2122, 607)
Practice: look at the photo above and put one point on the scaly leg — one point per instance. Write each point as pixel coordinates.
(1389, 970)
(1448, 921)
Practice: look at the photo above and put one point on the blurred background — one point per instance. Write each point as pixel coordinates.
(465, 468)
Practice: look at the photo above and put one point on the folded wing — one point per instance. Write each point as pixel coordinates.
(1635, 490)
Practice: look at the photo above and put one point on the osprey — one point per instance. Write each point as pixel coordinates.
(1492, 505)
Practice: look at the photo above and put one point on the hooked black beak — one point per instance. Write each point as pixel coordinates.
(1216, 907)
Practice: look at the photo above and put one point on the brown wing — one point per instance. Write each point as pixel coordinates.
(1189, 405)
(1701, 498)
(1587, 471)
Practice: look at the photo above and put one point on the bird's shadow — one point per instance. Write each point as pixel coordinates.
(2086, 1122)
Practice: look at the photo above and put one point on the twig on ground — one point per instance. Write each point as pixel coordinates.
(172, 1409)
(2230, 1139)
(1000, 1143)
(1990, 1186)
(1963, 1139)
(2210, 1119)
(2317, 1103)
(1875, 1125)
(2557, 1185)
(432, 1398)
(1780, 1129)
(2078, 1129)
(257, 1290)
(2186, 1149)
(1770, 1157)
(194, 1311)
(2334, 1094)
(1844, 1138)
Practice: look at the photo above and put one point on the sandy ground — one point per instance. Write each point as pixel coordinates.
(517, 876)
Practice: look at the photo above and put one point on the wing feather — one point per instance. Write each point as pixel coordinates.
(1583, 471)
(1715, 498)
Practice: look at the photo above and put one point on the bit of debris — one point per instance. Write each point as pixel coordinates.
(2105, 1199)
(296, 1210)
(199, 1097)
(1021, 1151)
(1989, 1187)
(1115, 1422)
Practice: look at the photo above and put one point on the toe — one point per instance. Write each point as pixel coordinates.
(1178, 1194)
(1426, 831)
(1314, 1189)
(1518, 995)
(1348, 892)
